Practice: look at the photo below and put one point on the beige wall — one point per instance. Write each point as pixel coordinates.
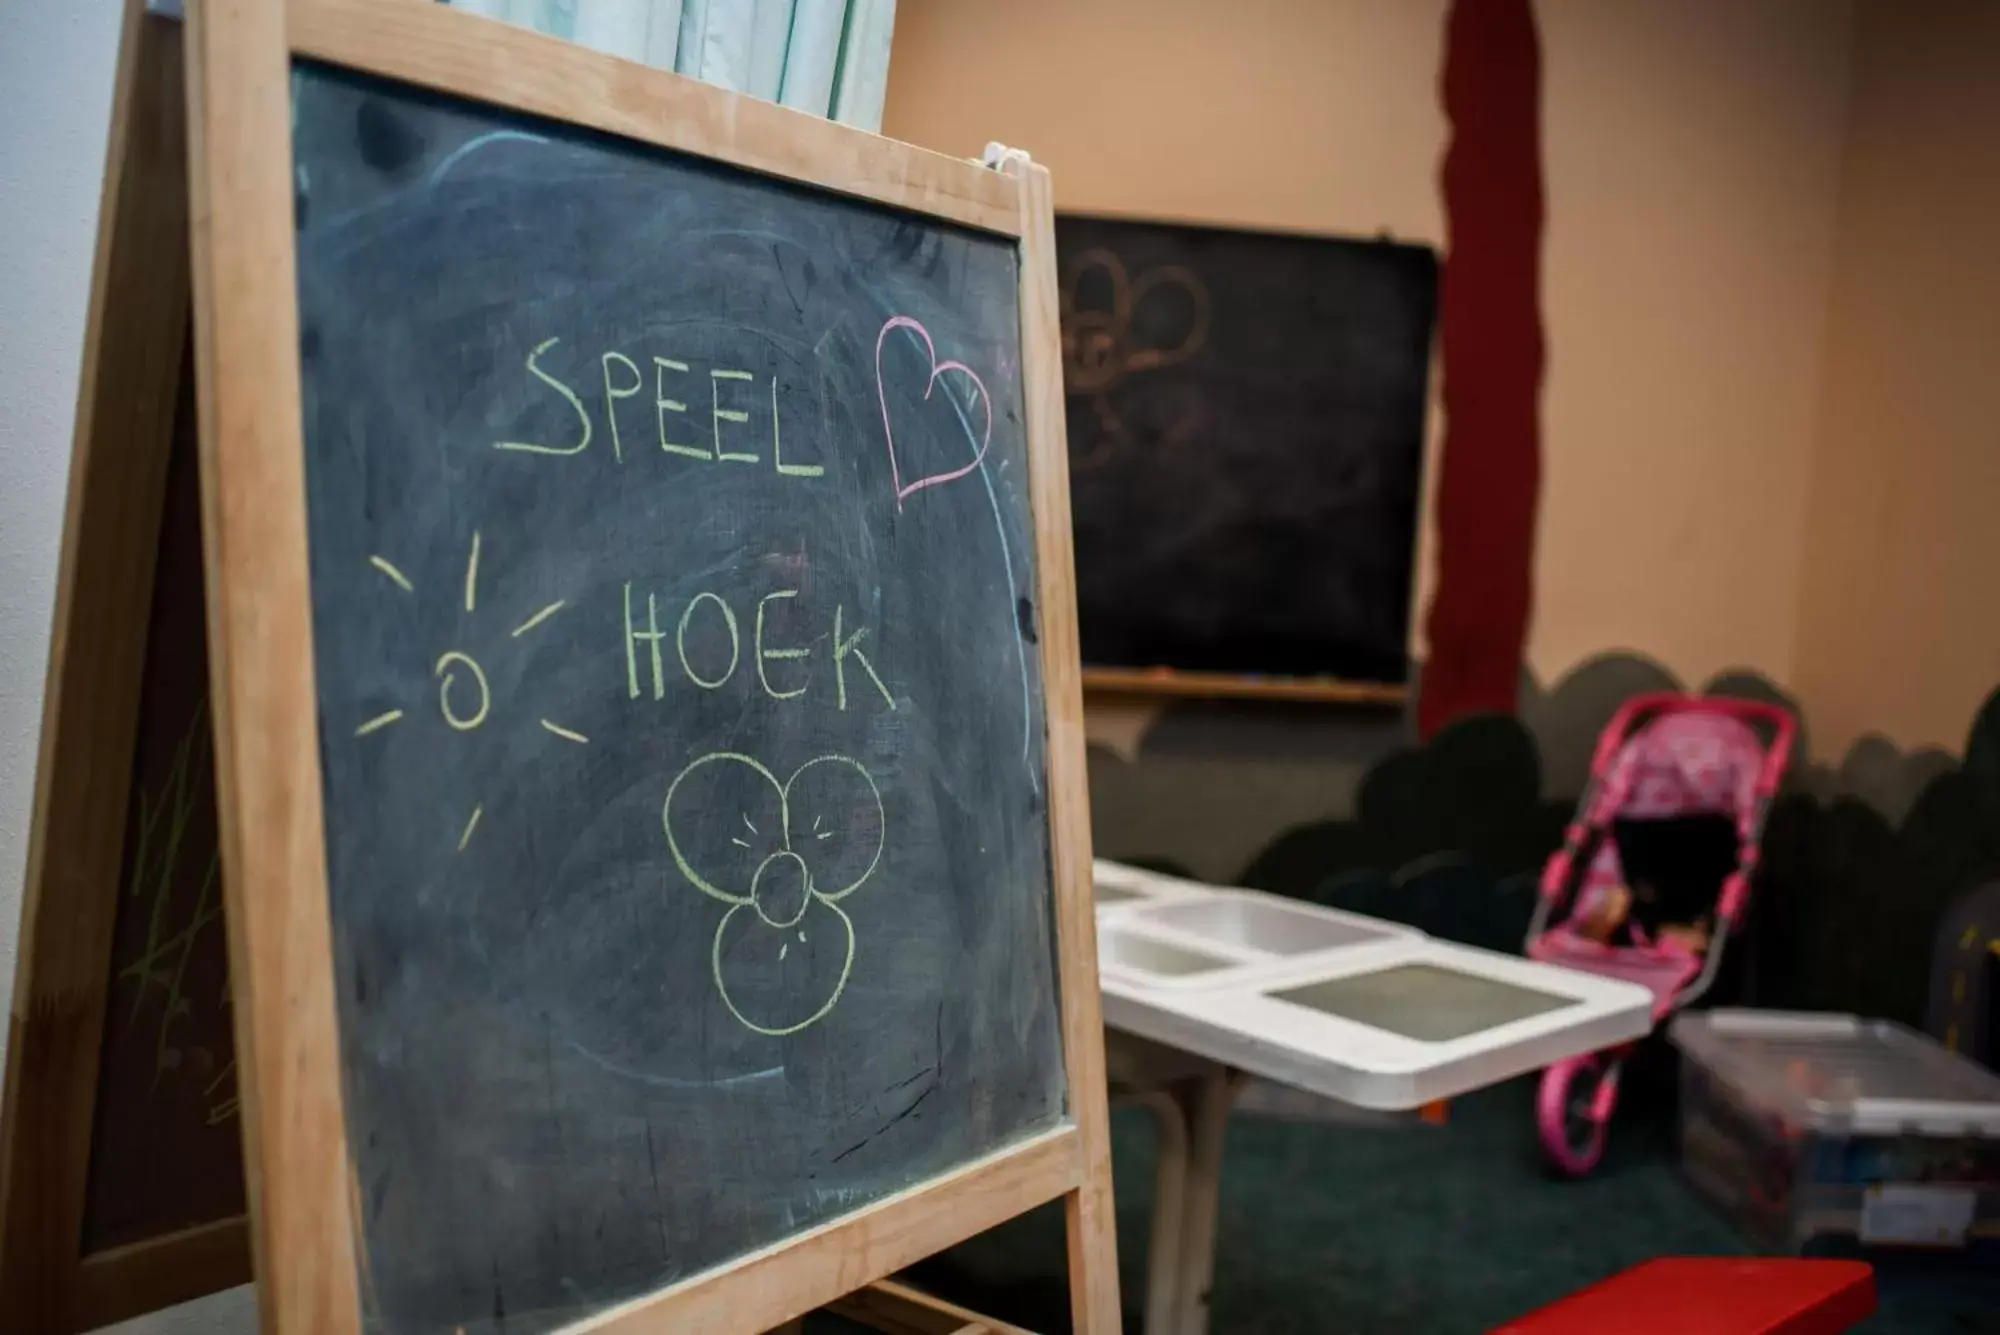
(1693, 155)
(1693, 151)
(1289, 113)
(1900, 621)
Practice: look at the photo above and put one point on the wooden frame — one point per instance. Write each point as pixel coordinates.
(1253, 227)
(1172, 683)
(303, 1229)
(135, 344)
(898, 1309)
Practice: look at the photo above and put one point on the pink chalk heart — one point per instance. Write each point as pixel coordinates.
(938, 371)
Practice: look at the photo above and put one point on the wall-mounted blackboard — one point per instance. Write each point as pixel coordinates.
(1246, 429)
(680, 710)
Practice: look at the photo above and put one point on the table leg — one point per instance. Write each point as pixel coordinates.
(1163, 1237)
(1207, 1103)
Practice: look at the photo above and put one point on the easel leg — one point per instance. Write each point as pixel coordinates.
(1093, 1244)
(133, 355)
(1093, 1254)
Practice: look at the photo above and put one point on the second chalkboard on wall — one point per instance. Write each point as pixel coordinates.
(1246, 432)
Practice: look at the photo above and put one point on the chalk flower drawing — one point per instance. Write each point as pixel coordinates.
(782, 855)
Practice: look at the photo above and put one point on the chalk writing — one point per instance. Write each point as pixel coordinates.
(662, 405)
(720, 414)
(680, 642)
(716, 669)
(612, 394)
(765, 655)
(938, 370)
(651, 635)
(569, 396)
(772, 881)
(631, 381)
(850, 647)
(777, 448)
(166, 819)
(623, 379)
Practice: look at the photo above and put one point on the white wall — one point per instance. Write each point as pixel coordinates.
(1897, 634)
(1692, 154)
(56, 65)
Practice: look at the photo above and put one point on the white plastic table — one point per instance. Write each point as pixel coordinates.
(1204, 986)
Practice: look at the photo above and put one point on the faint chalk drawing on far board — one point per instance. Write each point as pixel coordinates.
(1101, 345)
(782, 856)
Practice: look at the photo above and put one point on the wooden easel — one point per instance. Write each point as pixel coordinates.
(220, 198)
(132, 386)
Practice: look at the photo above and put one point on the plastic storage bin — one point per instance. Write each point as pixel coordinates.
(1830, 1134)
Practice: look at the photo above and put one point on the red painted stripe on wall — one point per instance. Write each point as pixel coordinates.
(1490, 324)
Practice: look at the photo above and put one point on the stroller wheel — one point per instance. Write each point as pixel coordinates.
(1574, 1111)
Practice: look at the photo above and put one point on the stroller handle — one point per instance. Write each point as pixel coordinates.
(1641, 708)
(1557, 875)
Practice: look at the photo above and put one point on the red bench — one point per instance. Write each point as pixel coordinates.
(1721, 1295)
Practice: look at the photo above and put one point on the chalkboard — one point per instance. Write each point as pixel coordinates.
(166, 1143)
(1246, 432)
(680, 715)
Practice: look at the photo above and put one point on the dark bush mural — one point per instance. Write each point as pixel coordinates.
(1854, 898)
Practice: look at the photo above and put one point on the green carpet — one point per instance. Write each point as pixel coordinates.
(1434, 1230)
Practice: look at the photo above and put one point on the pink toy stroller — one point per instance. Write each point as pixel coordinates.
(1671, 821)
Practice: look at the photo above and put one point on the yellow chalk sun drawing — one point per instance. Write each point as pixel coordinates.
(464, 700)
